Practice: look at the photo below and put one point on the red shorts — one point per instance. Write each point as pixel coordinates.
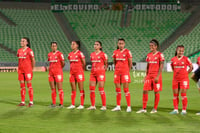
(25, 76)
(76, 77)
(149, 84)
(122, 78)
(180, 84)
(97, 76)
(55, 77)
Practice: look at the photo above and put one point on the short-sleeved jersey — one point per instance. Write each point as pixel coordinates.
(121, 58)
(25, 60)
(179, 66)
(55, 60)
(153, 61)
(75, 61)
(198, 60)
(98, 60)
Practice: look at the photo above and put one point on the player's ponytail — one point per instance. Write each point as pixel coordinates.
(28, 40)
(154, 41)
(179, 46)
(100, 45)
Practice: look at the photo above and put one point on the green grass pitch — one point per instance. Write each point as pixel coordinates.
(42, 119)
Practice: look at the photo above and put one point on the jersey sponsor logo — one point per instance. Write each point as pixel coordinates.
(179, 66)
(122, 59)
(53, 61)
(73, 60)
(96, 61)
(153, 62)
(21, 57)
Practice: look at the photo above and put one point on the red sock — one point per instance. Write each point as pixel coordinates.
(175, 101)
(82, 94)
(23, 92)
(145, 99)
(157, 99)
(118, 91)
(103, 96)
(184, 100)
(53, 96)
(73, 97)
(61, 96)
(128, 96)
(30, 91)
(92, 95)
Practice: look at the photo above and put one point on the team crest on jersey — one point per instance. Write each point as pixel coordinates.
(124, 55)
(182, 62)
(98, 57)
(55, 57)
(76, 56)
(156, 58)
(25, 53)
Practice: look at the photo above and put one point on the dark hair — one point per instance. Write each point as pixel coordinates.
(179, 46)
(78, 43)
(53, 43)
(154, 41)
(100, 45)
(28, 40)
(120, 39)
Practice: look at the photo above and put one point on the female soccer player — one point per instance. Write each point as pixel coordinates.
(180, 82)
(153, 79)
(57, 62)
(99, 65)
(122, 59)
(196, 76)
(77, 67)
(26, 63)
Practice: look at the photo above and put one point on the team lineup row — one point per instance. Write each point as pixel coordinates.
(122, 59)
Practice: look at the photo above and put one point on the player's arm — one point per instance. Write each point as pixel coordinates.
(159, 71)
(190, 68)
(62, 63)
(130, 63)
(106, 64)
(62, 60)
(83, 63)
(33, 62)
(147, 69)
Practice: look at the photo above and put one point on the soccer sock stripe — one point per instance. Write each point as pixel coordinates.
(184, 101)
(73, 97)
(103, 96)
(23, 92)
(118, 91)
(61, 96)
(53, 96)
(157, 99)
(175, 101)
(92, 95)
(128, 96)
(145, 100)
(30, 91)
(82, 95)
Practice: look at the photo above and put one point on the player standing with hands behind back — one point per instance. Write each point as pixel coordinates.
(26, 64)
(122, 59)
(153, 79)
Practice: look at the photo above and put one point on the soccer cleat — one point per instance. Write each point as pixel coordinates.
(21, 104)
(30, 105)
(198, 113)
(71, 107)
(103, 108)
(117, 108)
(183, 112)
(60, 106)
(80, 107)
(52, 106)
(128, 109)
(174, 112)
(91, 108)
(141, 111)
(153, 111)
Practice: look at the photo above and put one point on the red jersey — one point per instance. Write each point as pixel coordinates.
(180, 67)
(55, 60)
(153, 61)
(24, 60)
(198, 60)
(121, 58)
(97, 60)
(75, 61)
